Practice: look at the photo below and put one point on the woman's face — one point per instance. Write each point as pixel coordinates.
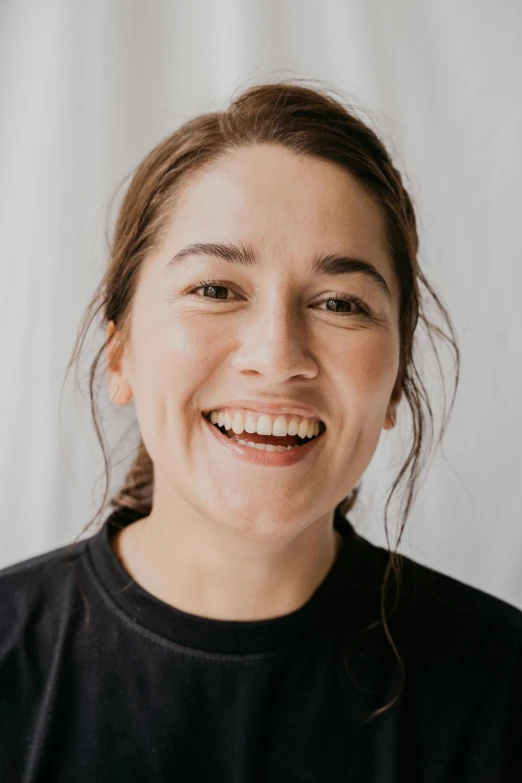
(273, 332)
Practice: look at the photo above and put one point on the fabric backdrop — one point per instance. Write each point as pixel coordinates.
(86, 90)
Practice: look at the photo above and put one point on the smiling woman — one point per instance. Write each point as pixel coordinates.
(261, 307)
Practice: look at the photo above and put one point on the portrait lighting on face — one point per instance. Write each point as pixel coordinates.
(264, 346)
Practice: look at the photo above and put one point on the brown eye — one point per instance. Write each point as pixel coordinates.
(345, 306)
(340, 306)
(218, 291)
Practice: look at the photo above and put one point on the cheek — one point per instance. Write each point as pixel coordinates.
(370, 366)
(172, 363)
(193, 342)
(179, 354)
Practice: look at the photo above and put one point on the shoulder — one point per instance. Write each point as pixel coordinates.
(466, 610)
(460, 639)
(437, 602)
(34, 593)
(444, 624)
(434, 609)
(34, 572)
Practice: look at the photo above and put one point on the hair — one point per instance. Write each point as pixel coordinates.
(308, 121)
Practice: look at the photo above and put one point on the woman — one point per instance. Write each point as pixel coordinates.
(226, 622)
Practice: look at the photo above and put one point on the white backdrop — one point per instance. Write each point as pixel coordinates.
(86, 89)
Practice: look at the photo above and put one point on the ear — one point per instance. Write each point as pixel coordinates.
(115, 372)
(389, 421)
(391, 414)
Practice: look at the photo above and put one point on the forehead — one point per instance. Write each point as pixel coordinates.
(272, 193)
(287, 207)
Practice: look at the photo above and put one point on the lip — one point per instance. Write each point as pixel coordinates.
(281, 408)
(264, 458)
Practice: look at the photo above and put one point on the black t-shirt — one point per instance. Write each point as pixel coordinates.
(101, 681)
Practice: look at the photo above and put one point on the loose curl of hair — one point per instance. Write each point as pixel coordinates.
(308, 121)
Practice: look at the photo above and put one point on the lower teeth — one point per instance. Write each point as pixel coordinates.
(265, 446)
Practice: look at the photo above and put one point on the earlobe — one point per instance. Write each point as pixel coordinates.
(115, 394)
(390, 420)
(117, 383)
(391, 415)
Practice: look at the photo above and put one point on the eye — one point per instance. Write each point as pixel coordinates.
(351, 301)
(214, 286)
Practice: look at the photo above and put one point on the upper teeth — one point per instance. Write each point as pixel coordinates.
(265, 425)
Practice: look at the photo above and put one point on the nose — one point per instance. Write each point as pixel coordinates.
(275, 343)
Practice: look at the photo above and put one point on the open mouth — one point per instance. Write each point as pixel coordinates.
(274, 442)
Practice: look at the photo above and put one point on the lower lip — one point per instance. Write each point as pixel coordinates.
(274, 459)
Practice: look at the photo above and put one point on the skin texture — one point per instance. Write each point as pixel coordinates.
(227, 539)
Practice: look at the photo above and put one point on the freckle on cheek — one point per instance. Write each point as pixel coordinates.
(370, 367)
(195, 347)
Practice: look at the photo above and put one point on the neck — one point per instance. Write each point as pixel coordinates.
(225, 574)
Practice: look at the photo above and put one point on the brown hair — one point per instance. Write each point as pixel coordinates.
(308, 121)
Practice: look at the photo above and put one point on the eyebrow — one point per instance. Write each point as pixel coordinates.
(243, 255)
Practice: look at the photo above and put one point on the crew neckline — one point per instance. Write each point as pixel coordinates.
(333, 598)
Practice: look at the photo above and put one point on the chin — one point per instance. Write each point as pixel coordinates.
(262, 519)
